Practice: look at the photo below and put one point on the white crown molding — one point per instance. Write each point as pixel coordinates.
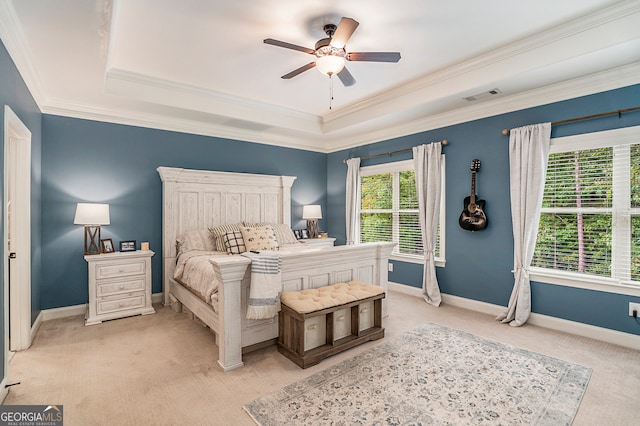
(155, 90)
(14, 41)
(602, 81)
(615, 78)
(579, 36)
(173, 124)
(286, 128)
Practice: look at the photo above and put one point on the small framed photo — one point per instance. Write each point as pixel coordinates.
(128, 245)
(107, 245)
(297, 233)
(304, 233)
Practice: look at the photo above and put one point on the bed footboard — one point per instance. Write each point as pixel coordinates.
(303, 270)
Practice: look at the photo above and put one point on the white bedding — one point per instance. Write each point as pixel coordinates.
(194, 270)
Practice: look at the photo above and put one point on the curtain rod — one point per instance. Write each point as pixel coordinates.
(586, 117)
(444, 142)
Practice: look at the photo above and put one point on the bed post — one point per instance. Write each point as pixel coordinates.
(230, 272)
(169, 177)
(285, 208)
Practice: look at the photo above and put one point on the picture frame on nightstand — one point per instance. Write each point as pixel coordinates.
(129, 245)
(107, 245)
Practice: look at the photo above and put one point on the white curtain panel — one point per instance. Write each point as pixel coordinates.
(353, 200)
(528, 155)
(427, 164)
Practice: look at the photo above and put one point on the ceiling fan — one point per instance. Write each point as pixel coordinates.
(331, 55)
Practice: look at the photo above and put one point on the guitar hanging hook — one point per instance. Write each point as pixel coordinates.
(473, 217)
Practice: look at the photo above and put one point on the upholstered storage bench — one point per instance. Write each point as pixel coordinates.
(317, 323)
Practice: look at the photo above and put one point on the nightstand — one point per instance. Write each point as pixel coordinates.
(319, 242)
(119, 285)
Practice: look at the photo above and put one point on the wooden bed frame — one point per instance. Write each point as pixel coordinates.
(197, 199)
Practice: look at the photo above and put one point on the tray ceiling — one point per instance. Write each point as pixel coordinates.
(201, 66)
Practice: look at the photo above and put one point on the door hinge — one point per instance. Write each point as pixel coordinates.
(12, 255)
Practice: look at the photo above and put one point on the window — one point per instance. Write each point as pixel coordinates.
(589, 232)
(389, 210)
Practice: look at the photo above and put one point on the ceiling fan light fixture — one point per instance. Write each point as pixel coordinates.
(330, 52)
(330, 64)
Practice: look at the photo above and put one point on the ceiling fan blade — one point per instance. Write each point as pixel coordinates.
(299, 70)
(374, 56)
(288, 45)
(346, 27)
(346, 78)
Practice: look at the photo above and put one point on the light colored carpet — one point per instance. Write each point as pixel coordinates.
(432, 375)
(161, 369)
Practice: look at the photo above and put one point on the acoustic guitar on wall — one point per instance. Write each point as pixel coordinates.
(473, 217)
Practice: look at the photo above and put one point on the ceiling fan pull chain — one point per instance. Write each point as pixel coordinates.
(330, 90)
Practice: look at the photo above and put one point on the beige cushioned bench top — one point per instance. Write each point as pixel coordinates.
(315, 299)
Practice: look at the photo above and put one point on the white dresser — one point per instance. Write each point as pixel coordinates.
(119, 285)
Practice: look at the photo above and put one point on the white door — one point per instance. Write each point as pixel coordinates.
(17, 232)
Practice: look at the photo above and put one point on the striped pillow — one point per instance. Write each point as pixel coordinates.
(219, 231)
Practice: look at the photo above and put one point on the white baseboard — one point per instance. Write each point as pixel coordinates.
(71, 311)
(591, 331)
(64, 312)
(599, 333)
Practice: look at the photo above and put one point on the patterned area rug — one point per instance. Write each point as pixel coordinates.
(432, 375)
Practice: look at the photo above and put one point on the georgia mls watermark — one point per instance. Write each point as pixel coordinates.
(31, 415)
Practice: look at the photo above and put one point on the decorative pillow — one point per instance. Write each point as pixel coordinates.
(259, 238)
(283, 232)
(219, 231)
(234, 243)
(199, 239)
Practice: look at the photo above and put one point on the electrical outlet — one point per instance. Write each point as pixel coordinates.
(634, 307)
(390, 267)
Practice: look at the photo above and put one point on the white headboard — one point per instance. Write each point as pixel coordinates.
(198, 199)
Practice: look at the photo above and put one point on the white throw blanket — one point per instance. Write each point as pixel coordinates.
(266, 284)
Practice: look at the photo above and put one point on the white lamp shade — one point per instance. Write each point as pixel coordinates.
(92, 214)
(312, 211)
(330, 64)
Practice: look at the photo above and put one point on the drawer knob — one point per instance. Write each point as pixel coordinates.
(121, 270)
(341, 318)
(121, 287)
(312, 327)
(121, 304)
(364, 311)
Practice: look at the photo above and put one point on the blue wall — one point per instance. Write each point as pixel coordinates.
(14, 93)
(89, 161)
(479, 264)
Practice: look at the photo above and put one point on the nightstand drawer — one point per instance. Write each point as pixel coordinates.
(125, 303)
(119, 269)
(119, 287)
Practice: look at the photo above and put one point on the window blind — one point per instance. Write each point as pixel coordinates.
(591, 213)
(389, 211)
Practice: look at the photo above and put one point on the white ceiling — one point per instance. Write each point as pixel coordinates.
(201, 67)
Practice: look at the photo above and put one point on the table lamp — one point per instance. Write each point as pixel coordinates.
(92, 215)
(312, 213)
